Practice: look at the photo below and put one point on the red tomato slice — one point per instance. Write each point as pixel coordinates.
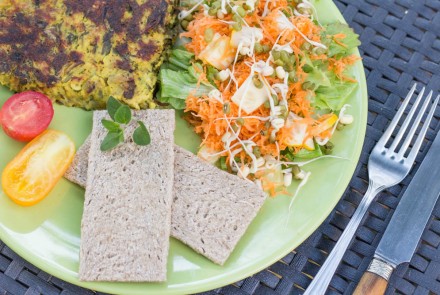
(26, 115)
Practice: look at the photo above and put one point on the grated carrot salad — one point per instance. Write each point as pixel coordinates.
(255, 135)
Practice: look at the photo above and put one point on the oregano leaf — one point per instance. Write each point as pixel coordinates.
(112, 106)
(141, 136)
(123, 115)
(111, 126)
(112, 140)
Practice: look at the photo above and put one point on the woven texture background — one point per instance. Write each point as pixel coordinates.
(400, 45)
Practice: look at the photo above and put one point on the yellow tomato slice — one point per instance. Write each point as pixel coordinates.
(33, 173)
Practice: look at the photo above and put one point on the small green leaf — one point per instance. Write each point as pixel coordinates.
(123, 115)
(112, 140)
(111, 126)
(112, 106)
(141, 136)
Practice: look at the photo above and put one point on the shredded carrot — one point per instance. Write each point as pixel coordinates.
(213, 122)
(339, 66)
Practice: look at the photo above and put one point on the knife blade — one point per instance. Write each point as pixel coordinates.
(405, 229)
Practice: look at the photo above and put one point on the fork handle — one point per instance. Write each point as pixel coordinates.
(375, 280)
(322, 279)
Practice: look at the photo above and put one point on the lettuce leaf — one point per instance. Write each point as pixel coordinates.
(350, 41)
(317, 73)
(180, 59)
(306, 154)
(176, 103)
(175, 86)
(335, 96)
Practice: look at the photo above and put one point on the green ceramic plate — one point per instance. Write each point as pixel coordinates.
(48, 234)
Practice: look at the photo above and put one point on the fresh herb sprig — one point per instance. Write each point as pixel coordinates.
(121, 115)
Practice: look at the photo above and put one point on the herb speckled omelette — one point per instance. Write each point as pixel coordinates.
(80, 52)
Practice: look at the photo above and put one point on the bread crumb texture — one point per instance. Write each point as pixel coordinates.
(127, 212)
(211, 208)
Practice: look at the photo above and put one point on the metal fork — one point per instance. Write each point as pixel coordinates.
(386, 167)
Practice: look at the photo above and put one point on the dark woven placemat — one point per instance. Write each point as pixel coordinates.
(400, 45)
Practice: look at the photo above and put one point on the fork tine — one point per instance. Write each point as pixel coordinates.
(418, 143)
(413, 129)
(383, 140)
(408, 119)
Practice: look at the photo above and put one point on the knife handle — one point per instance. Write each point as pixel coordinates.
(375, 280)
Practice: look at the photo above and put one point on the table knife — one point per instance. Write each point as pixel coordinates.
(403, 233)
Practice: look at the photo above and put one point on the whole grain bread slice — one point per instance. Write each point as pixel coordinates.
(211, 209)
(127, 211)
(77, 172)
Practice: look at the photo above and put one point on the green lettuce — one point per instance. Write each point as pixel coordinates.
(333, 97)
(179, 60)
(306, 154)
(178, 78)
(175, 86)
(350, 41)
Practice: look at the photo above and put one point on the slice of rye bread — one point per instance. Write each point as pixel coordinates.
(211, 210)
(127, 210)
(77, 171)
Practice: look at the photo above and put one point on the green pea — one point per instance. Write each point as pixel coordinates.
(306, 46)
(328, 148)
(246, 7)
(226, 108)
(258, 48)
(256, 151)
(308, 85)
(240, 121)
(275, 99)
(307, 68)
(189, 17)
(222, 163)
(326, 151)
(279, 62)
(209, 34)
(216, 4)
(284, 112)
(288, 67)
(285, 56)
(241, 11)
(292, 59)
(296, 170)
(237, 26)
(340, 126)
(184, 23)
(329, 145)
(267, 104)
(257, 82)
(212, 11)
(275, 54)
(320, 51)
(236, 18)
(292, 77)
(266, 48)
